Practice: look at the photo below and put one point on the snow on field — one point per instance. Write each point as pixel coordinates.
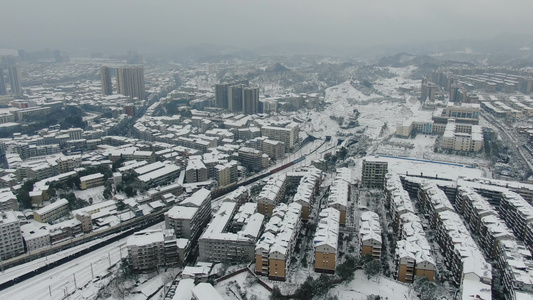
(96, 193)
(229, 290)
(390, 107)
(419, 147)
(439, 169)
(389, 86)
(361, 287)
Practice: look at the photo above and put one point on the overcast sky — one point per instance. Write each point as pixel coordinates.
(151, 25)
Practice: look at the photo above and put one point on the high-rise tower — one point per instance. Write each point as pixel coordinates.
(130, 81)
(3, 89)
(105, 76)
(14, 80)
(250, 101)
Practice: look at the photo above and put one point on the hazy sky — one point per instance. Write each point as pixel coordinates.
(151, 25)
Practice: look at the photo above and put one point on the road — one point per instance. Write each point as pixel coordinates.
(509, 138)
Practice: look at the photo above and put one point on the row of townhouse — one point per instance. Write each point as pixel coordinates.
(326, 241)
(370, 235)
(232, 234)
(306, 190)
(433, 201)
(271, 194)
(516, 265)
(516, 212)
(397, 199)
(483, 220)
(340, 191)
(273, 251)
(499, 243)
(413, 255)
(462, 257)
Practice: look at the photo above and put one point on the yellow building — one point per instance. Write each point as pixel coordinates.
(326, 240)
(370, 234)
(271, 194)
(90, 181)
(338, 198)
(273, 251)
(51, 212)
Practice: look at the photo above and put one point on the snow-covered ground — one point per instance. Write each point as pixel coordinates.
(245, 282)
(390, 106)
(96, 193)
(361, 287)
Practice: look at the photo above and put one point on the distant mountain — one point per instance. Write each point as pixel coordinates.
(210, 53)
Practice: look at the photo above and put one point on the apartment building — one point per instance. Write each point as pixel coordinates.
(90, 181)
(516, 266)
(157, 193)
(223, 174)
(400, 205)
(370, 234)
(413, 258)
(254, 160)
(8, 201)
(473, 207)
(52, 211)
(339, 194)
(130, 82)
(35, 237)
(433, 200)
(373, 173)
(149, 249)
(190, 216)
(288, 134)
(109, 205)
(271, 194)
(11, 243)
(307, 190)
(231, 236)
(273, 251)
(462, 137)
(516, 212)
(160, 176)
(326, 241)
(132, 153)
(498, 242)
(462, 256)
(274, 149)
(195, 171)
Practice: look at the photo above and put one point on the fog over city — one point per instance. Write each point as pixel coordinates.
(165, 25)
(266, 149)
